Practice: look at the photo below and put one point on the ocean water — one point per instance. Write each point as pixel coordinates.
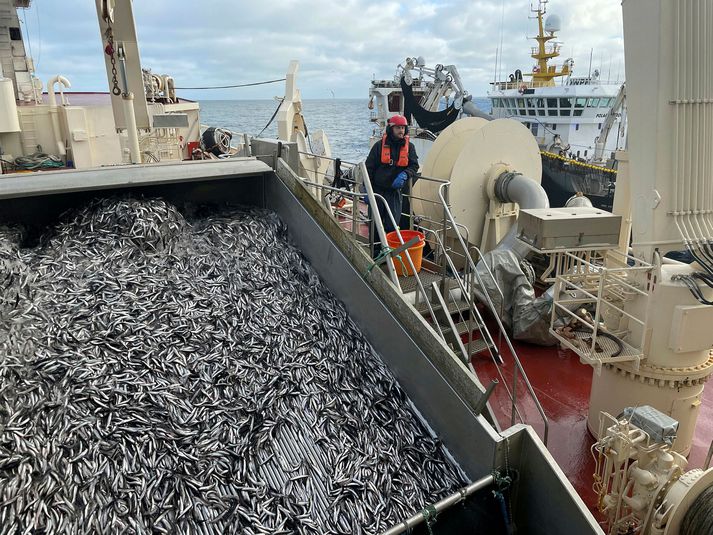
(346, 121)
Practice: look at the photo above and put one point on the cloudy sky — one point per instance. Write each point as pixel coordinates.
(341, 44)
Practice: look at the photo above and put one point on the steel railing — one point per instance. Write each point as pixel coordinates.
(465, 281)
(518, 368)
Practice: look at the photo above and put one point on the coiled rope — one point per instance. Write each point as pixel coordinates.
(38, 160)
(698, 519)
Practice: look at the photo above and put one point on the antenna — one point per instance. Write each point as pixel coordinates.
(591, 51)
(495, 74)
(541, 6)
(502, 24)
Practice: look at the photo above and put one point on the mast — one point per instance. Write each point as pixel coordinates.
(543, 74)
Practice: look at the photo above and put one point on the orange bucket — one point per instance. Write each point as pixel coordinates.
(415, 252)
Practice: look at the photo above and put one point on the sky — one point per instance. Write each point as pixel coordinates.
(341, 44)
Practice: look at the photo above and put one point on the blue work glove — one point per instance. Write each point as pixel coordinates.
(400, 180)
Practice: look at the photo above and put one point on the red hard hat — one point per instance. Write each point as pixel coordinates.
(397, 120)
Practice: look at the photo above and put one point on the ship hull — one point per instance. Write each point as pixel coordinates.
(562, 178)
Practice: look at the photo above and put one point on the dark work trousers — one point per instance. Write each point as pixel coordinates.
(394, 200)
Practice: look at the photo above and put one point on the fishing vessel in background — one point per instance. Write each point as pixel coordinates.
(579, 123)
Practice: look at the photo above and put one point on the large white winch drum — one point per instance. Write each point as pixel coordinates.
(471, 153)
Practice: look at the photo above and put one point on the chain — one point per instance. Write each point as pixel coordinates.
(109, 50)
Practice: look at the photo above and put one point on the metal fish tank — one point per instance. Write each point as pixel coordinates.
(200, 348)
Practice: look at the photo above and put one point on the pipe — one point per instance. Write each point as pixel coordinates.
(169, 88)
(526, 314)
(63, 83)
(442, 505)
(471, 109)
(514, 187)
(528, 194)
(127, 100)
(54, 112)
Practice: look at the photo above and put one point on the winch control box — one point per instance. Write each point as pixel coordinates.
(569, 228)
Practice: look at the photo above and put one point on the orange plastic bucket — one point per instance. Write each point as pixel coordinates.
(415, 252)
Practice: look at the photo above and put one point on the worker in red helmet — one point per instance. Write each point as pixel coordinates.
(390, 164)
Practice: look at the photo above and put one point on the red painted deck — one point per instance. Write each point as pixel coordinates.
(562, 384)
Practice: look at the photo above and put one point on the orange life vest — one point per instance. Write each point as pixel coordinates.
(386, 153)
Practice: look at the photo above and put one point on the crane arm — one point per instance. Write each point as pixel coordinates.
(601, 141)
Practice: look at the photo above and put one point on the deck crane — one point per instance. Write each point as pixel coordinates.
(615, 112)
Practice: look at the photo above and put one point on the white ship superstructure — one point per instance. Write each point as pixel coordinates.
(578, 123)
(569, 115)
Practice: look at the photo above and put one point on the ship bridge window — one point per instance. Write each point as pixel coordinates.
(15, 34)
(605, 102)
(530, 106)
(593, 102)
(565, 106)
(395, 102)
(579, 103)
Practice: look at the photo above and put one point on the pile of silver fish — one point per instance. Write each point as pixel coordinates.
(162, 373)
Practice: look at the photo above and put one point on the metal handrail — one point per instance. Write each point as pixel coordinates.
(322, 157)
(471, 306)
(489, 301)
(379, 197)
(485, 265)
(475, 312)
(410, 261)
(707, 463)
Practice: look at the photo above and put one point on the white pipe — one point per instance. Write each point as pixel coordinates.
(676, 120)
(54, 112)
(131, 130)
(514, 187)
(169, 88)
(63, 83)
